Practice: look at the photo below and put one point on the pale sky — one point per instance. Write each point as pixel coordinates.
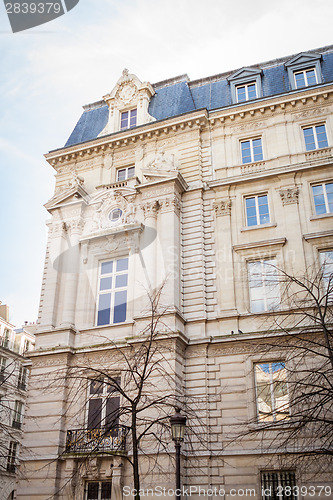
(49, 72)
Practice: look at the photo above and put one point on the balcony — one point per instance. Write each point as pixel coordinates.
(97, 440)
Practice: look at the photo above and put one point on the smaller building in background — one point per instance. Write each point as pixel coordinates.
(14, 370)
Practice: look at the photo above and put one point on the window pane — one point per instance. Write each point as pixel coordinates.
(257, 150)
(94, 414)
(120, 303)
(106, 267)
(131, 172)
(309, 139)
(321, 136)
(299, 80)
(106, 283)
(104, 307)
(112, 413)
(96, 387)
(92, 491)
(106, 491)
(241, 95)
(121, 280)
(246, 152)
(311, 77)
(122, 265)
(121, 174)
(252, 91)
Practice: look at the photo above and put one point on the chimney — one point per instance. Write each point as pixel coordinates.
(4, 312)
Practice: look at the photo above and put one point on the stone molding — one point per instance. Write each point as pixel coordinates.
(289, 196)
(222, 207)
(151, 209)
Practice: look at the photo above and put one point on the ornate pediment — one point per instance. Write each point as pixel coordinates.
(73, 192)
(162, 166)
(114, 208)
(244, 74)
(303, 59)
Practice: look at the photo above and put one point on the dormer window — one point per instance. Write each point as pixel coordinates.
(245, 85)
(304, 70)
(246, 92)
(305, 78)
(128, 119)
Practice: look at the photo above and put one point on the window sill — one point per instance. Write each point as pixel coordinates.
(259, 226)
(285, 424)
(321, 216)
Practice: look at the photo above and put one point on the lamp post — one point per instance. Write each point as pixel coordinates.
(178, 423)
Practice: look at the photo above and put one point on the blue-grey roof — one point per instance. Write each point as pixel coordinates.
(177, 97)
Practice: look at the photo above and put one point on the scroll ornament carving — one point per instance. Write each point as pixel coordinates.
(289, 196)
(171, 204)
(151, 209)
(222, 207)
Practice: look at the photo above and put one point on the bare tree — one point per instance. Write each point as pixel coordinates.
(130, 393)
(294, 397)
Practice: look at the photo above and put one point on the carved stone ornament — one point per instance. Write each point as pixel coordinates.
(115, 201)
(222, 207)
(163, 162)
(171, 204)
(76, 179)
(127, 91)
(289, 196)
(151, 209)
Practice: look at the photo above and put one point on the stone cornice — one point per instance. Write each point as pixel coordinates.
(192, 120)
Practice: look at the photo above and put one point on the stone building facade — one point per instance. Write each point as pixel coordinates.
(204, 185)
(14, 370)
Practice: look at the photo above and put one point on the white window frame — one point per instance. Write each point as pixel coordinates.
(251, 150)
(271, 388)
(265, 284)
(17, 414)
(304, 72)
(126, 170)
(256, 198)
(12, 456)
(327, 271)
(104, 395)
(315, 136)
(246, 86)
(327, 207)
(99, 488)
(22, 378)
(128, 125)
(112, 290)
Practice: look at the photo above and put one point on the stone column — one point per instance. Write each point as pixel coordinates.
(70, 269)
(294, 259)
(224, 257)
(169, 263)
(51, 276)
(148, 253)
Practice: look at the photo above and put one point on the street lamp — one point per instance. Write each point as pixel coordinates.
(178, 423)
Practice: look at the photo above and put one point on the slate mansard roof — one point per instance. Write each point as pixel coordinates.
(180, 95)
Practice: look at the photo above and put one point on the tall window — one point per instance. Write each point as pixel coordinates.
(125, 173)
(246, 92)
(103, 406)
(251, 150)
(98, 490)
(263, 285)
(257, 211)
(128, 119)
(279, 485)
(271, 391)
(11, 459)
(17, 417)
(112, 301)
(326, 260)
(305, 78)
(315, 137)
(3, 362)
(323, 198)
(22, 378)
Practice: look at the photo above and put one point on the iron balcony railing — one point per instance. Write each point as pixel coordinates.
(97, 440)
